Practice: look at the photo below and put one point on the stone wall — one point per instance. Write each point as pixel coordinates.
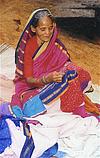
(76, 8)
(80, 17)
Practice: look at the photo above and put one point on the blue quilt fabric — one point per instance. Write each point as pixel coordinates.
(61, 154)
(5, 137)
(50, 152)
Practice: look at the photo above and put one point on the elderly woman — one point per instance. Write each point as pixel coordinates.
(46, 81)
(44, 70)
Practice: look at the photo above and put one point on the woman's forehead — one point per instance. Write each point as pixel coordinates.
(45, 21)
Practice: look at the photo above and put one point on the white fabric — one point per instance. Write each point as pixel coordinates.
(78, 137)
(7, 69)
(7, 66)
(17, 136)
(81, 136)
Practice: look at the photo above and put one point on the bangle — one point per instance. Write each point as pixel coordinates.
(44, 80)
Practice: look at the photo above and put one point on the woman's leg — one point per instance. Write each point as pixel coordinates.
(83, 76)
(73, 97)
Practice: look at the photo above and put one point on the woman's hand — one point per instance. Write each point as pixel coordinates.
(54, 77)
(51, 77)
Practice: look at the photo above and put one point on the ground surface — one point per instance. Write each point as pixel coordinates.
(84, 53)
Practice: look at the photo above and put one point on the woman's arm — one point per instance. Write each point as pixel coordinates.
(51, 77)
(35, 82)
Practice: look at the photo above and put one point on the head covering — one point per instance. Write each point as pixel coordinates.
(33, 19)
(26, 35)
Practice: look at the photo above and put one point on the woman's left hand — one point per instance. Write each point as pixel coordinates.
(54, 77)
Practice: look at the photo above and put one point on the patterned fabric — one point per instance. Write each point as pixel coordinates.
(54, 90)
(29, 146)
(5, 136)
(49, 57)
(35, 105)
(55, 44)
(31, 108)
(19, 53)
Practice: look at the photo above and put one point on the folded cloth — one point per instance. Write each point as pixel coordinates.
(31, 108)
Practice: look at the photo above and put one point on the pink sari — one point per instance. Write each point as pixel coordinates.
(53, 58)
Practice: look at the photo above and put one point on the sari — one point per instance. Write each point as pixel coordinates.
(30, 101)
(42, 132)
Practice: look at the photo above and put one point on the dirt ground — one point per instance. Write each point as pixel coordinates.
(13, 17)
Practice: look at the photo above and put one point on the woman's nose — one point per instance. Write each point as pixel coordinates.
(47, 32)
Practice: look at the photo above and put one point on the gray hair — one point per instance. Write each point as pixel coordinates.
(38, 14)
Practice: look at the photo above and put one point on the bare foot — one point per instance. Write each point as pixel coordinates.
(54, 157)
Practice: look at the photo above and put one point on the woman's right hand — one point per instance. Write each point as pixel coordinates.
(54, 77)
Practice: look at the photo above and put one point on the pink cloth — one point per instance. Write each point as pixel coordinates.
(54, 58)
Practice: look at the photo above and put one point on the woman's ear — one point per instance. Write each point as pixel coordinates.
(33, 29)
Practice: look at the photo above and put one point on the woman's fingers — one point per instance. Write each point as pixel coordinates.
(58, 80)
(54, 77)
(58, 77)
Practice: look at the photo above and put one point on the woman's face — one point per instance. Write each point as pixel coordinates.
(44, 30)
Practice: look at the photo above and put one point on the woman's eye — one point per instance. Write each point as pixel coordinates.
(43, 29)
